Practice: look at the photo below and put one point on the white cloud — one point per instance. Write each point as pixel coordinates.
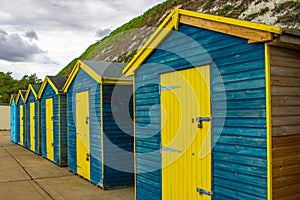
(65, 29)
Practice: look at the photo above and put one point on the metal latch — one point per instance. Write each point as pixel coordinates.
(87, 119)
(202, 119)
(201, 191)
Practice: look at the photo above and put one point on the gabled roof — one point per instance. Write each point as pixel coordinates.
(254, 32)
(21, 94)
(102, 72)
(12, 99)
(34, 88)
(56, 82)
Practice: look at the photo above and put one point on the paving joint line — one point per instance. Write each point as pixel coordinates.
(29, 174)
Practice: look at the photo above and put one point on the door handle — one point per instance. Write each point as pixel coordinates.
(202, 119)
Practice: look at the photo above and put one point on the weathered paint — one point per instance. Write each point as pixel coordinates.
(239, 159)
(59, 124)
(102, 131)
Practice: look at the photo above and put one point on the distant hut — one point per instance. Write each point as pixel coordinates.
(54, 119)
(21, 119)
(99, 148)
(14, 137)
(33, 111)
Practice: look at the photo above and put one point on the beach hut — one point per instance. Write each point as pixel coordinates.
(217, 110)
(21, 120)
(100, 147)
(14, 137)
(54, 119)
(33, 118)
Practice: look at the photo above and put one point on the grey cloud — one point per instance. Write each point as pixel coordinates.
(2, 32)
(31, 35)
(103, 32)
(15, 49)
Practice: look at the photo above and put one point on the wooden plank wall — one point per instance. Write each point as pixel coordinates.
(285, 90)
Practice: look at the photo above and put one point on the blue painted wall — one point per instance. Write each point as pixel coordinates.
(59, 125)
(20, 102)
(37, 135)
(118, 142)
(239, 168)
(13, 122)
(83, 82)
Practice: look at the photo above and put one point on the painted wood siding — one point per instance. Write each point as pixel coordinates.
(285, 91)
(13, 122)
(17, 124)
(62, 121)
(117, 142)
(31, 98)
(239, 156)
(83, 82)
(58, 123)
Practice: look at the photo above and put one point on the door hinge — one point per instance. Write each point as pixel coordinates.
(201, 191)
(165, 88)
(170, 149)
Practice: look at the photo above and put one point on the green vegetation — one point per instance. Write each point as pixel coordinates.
(264, 10)
(9, 86)
(224, 11)
(119, 41)
(208, 5)
(252, 16)
(289, 17)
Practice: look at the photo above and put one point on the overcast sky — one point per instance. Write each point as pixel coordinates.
(43, 36)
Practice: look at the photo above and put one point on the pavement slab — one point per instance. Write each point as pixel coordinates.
(11, 170)
(22, 190)
(26, 175)
(74, 187)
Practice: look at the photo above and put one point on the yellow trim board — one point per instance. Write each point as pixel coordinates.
(44, 84)
(94, 75)
(30, 88)
(237, 22)
(268, 120)
(11, 99)
(18, 97)
(258, 32)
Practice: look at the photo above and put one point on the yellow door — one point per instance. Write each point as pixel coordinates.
(21, 125)
(186, 134)
(49, 129)
(32, 127)
(83, 134)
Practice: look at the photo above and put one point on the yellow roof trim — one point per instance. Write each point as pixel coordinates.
(175, 17)
(11, 99)
(71, 77)
(30, 88)
(94, 75)
(89, 71)
(43, 87)
(18, 97)
(226, 20)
